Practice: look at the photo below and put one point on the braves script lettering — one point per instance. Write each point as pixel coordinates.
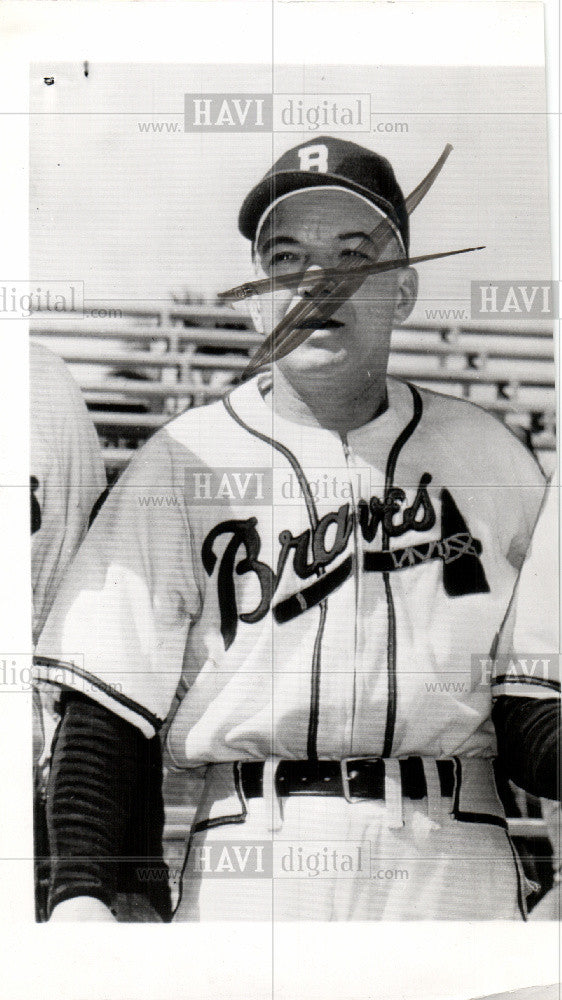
(311, 554)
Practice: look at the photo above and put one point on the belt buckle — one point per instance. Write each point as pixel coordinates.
(344, 764)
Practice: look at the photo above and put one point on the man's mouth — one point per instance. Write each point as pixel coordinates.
(320, 324)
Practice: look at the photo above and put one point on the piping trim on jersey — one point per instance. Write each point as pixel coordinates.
(311, 743)
(470, 817)
(356, 573)
(401, 440)
(520, 894)
(487, 818)
(122, 699)
(311, 747)
(287, 453)
(209, 824)
(520, 679)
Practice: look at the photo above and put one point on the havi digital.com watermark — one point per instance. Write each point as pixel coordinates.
(291, 859)
(531, 670)
(247, 112)
(514, 300)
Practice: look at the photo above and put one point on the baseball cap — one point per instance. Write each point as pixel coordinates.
(325, 161)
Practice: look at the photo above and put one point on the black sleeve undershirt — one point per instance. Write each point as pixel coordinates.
(528, 732)
(105, 811)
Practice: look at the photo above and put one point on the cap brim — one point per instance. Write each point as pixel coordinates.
(271, 188)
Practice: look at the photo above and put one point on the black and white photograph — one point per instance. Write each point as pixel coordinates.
(293, 501)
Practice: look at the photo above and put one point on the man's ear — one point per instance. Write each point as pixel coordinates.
(254, 307)
(407, 294)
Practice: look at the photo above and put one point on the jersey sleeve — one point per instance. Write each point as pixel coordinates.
(118, 628)
(67, 475)
(526, 657)
(524, 484)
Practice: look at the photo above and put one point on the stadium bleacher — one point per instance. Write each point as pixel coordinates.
(144, 365)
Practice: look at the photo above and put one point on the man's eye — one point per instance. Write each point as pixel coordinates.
(282, 257)
(283, 262)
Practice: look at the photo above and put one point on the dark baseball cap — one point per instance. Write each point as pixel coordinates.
(327, 161)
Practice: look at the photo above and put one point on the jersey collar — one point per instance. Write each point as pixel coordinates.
(249, 403)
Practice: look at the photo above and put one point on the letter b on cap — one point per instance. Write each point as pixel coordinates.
(314, 158)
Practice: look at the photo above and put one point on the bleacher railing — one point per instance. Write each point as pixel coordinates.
(141, 365)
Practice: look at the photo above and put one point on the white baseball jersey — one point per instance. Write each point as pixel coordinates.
(303, 593)
(66, 475)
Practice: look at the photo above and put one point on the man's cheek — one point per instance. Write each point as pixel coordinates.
(377, 297)
(273, 308)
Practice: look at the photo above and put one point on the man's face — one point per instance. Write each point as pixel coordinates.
(324, 229)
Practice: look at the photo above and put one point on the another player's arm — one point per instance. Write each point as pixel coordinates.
(127, 604)
(104, 772)
(527, 732)
(526, 709)
(68, 475)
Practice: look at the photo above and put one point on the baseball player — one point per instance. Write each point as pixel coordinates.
(67, 476)
(298, 586)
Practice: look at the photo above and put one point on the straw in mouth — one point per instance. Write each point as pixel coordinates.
(311, 313)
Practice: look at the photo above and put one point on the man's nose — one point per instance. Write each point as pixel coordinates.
(305, 287)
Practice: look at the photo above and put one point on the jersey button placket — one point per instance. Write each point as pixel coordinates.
(353, 477)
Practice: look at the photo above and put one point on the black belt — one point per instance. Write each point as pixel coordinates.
(353, 778)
